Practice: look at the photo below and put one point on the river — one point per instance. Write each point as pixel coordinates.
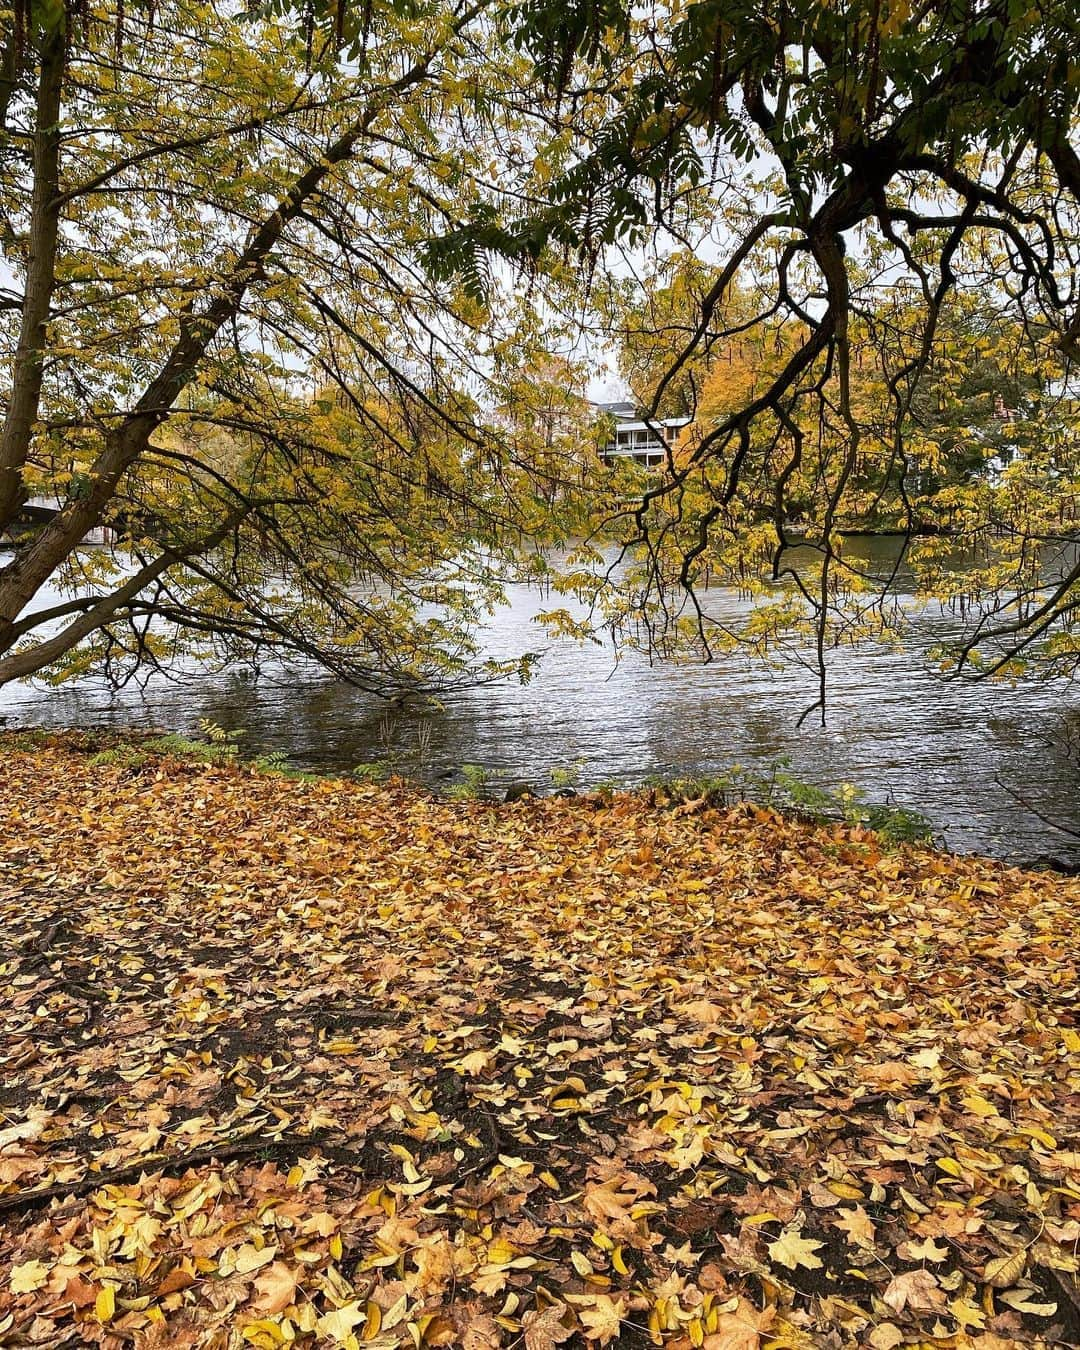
(960, 753)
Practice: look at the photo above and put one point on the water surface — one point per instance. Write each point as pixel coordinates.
(960, 753)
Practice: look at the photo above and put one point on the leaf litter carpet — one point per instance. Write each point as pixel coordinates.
(324, 1064)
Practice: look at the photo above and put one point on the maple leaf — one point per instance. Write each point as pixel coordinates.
(926, 1250)
(275, 1287)
(482, 1332)
(602, 1320)
(915, 1289)
(703, 1011)
(434, 1264)
(967, 1313)
(739, 1328)
(856, 1223)
(339, 1323)
(489, 1279)
(476, 1061)
(29, 1276)
(614, 1198)
(791, 1249)
(544, 1329)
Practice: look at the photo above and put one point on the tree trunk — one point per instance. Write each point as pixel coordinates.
(28, 364)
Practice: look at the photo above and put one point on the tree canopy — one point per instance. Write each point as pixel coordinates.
(282, 281)
(840, 187)
(218, 342)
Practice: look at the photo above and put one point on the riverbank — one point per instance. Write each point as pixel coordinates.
(967, 767)
(319, 1062)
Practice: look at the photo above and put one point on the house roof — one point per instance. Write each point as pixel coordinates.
(629, 418)
(653, 423)
(620, 409)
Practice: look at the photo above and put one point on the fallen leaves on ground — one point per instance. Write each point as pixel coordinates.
(318, 1063)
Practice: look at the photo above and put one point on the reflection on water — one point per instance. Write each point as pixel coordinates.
(894, 729)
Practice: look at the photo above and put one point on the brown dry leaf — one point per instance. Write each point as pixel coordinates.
(175, 1280)
(482, 1333)
(706, 1013)
(434, 1264)
(740, 1328)
(275, 1288)
(857, 1224)
(886, 1336)
(1003, 1271)
(544, 1329)
(915, 1289)
(602, 1320)
(286, 984)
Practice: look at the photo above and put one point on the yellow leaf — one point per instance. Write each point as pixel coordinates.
(105, 1304)
(249, 1258)
(1020, 1300)
(339, 1324)
(791, 1249)
(374, 1321)
(967, 1313)
(29, 1276)
(264, 1334)
(1004, 1271)
(927, 1250)
(979, 1106)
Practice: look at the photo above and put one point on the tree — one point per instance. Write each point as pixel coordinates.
(218, 343)
(856, 170)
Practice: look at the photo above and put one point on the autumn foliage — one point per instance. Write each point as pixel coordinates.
(317, 1063)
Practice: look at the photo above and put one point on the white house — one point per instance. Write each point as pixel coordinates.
(645, 441)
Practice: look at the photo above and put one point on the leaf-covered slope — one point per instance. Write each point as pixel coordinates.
(318, 1063)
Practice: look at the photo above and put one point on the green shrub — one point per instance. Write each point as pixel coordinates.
(476, 784)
